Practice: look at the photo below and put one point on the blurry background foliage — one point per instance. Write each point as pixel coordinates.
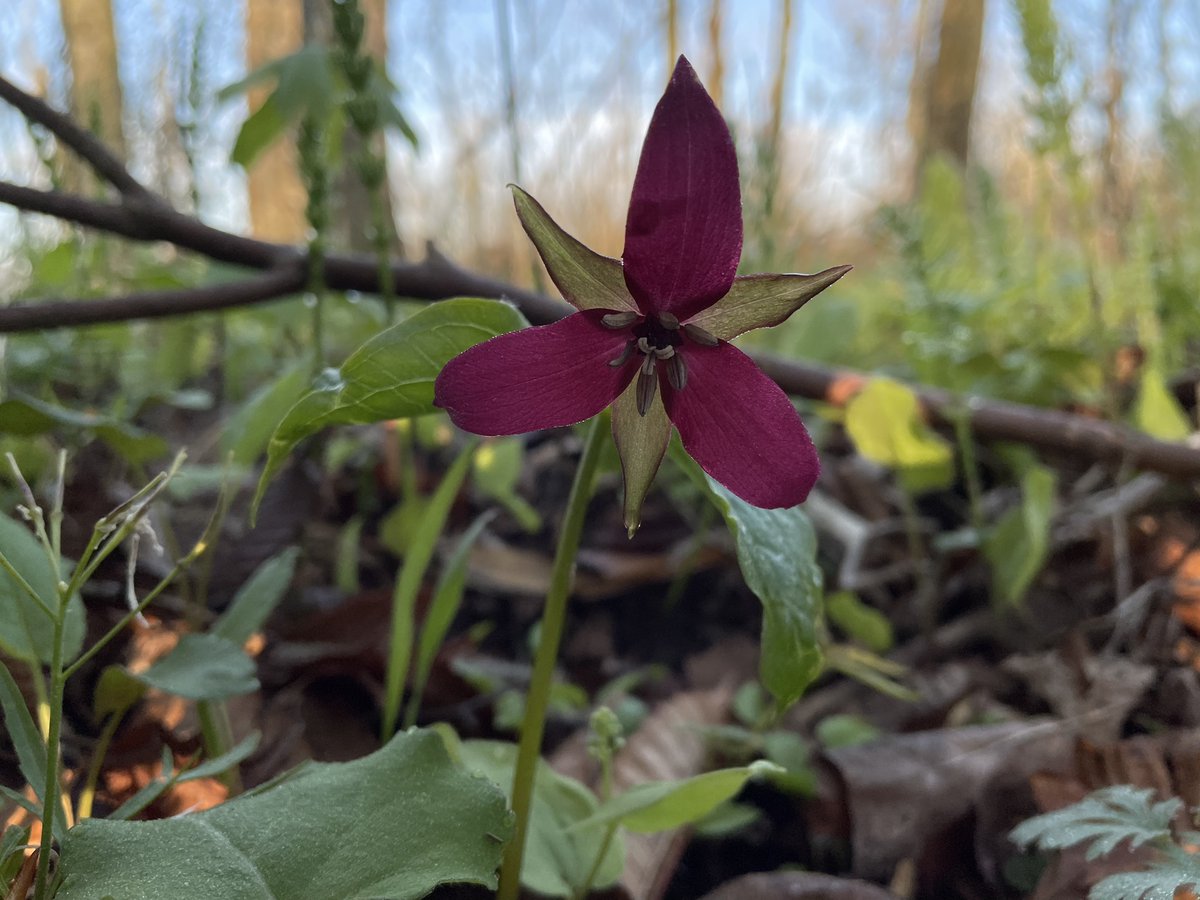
(1016, 181)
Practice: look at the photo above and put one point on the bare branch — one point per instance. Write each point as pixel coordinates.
(77, 139)
(273, 285)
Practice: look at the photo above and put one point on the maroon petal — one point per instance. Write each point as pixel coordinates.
(683, 234)
(741, 428)
(535, 378)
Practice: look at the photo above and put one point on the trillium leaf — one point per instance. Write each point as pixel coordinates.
(762, 301)
(390, 376)
(641, 442)
(26, 632)
(884, 421)
(586, 279)
(558, 850)
(777, 553)
(663, 805)
(392, 825)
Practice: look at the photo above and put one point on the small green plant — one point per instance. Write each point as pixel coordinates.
(1113, 816)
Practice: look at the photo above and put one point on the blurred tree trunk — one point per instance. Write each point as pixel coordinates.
(672, 34)
(275, 28)
(918, 88)
(95, 81)
(350, 204)
(1113, 196)
(950, 91)
(716, 51)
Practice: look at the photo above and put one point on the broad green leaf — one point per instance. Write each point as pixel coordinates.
(202, 667)
(884, 421)
(727, 819)
(26, 632)
(447, 598)
(790, 752)
(247, 432)
(761, 301)
(1017, 545)
(863, 623)
(412, 575)
(391, 825)
(558, 854)
(255, 599)
(663, 805)
(390, 376)
(586, 279)
(777, 553)
(1156, 411)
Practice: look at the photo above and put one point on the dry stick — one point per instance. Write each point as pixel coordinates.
(144, 216)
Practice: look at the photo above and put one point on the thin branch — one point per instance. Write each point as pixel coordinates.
(273, 285)
(83, 142)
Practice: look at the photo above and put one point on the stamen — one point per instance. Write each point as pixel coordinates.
(664, 352)
(646, 386)
(626, 352)
(648, 364)
(700, 336)
(643, 344)
(669, 321)
(617, 321)
(677, 372)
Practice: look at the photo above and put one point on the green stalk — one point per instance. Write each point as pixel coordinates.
(51, 792)
(538, 699)
(609, 833)
(88, 795)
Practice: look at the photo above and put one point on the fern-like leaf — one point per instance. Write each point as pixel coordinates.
(1105, 819)
(1174, 870)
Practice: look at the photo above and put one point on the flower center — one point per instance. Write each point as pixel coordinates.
(658, 339)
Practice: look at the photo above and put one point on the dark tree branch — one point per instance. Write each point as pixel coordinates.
(274, 284)
(144, 216)
(83, 142)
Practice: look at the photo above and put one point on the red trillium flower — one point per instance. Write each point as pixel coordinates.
(651, 337)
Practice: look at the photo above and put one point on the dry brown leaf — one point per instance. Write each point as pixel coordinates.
(668, 746)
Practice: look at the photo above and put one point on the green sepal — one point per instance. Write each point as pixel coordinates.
(586, 279)
(761, 301)
(641, 442)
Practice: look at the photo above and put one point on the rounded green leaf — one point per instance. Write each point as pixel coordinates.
(202, 667)
(26, 631)
(390, 376)
(884, 421)
(393, 825)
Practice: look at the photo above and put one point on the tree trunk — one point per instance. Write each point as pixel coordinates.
(274, 28)
(951, 82)
(95, 82)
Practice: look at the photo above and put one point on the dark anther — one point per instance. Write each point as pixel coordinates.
(617, 321)
(646, 386)
(700, 336)
(668, 321)
(677, 372)
(624, 357)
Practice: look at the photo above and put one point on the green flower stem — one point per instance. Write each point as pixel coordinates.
(961, 419)
(609, 833)
(217, 734)
(553, 620)
(51, 790)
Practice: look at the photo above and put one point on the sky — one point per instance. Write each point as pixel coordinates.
(587, 74)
